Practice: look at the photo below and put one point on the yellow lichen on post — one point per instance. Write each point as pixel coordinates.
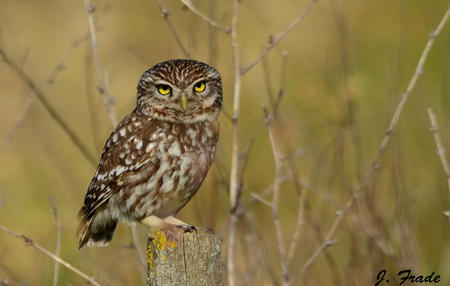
(149, 257)
(161, 242)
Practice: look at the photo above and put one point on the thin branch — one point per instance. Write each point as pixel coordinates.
(165, 16)
(242, 162)
(274, 40)
(60, 66)
(275, 197)
(107, 100)
(234, 177)
(29, 242)
(234, 174)
(52, 111)
(58, 241)
(137, 245)
(383, 145)
(281, 91)
(298, 227)
(210, 21)
(440, 147)
(313, 258)
(261, 199)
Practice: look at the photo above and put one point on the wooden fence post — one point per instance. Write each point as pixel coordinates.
(177, 258)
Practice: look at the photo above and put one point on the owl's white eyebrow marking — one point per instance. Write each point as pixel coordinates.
(163, 82)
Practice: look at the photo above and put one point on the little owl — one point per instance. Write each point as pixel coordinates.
(157, 157)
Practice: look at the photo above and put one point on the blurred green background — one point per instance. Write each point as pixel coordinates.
(348, 63)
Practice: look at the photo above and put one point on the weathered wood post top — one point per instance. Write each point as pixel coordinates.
(177, 258)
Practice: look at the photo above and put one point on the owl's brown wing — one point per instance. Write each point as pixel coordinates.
(131, 147)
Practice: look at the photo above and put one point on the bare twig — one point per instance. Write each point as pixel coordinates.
(60, 66)
(382, 149)
(274, 40)
(210, 21)
(261, 199)
(440, 147)
(52, 111)
(242, 162)
(29, 242)
(58, 241)
(165, 16)
(234, 176)
(313, 258)
(107, 100)
(298, 227)
(275, 197)
(281, 91)
(137, 245)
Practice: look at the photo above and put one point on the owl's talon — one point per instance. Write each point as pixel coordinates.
(188, 228)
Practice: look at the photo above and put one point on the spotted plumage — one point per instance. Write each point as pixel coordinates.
(157, 157)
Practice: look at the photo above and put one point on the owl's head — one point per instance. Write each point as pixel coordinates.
(180, 91)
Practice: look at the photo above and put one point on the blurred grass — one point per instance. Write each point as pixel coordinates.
(348, 63)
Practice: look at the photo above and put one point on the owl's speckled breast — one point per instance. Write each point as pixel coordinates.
(179, 157)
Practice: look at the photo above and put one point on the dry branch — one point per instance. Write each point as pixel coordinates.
(210, 21)
(51, 110)
(276, 195)
(381, 150)
(234, 176)
(440, 150)
(60, 66)
(274, 40)
(29, 242)
(165, 16)
(58, 241)
(102, 88)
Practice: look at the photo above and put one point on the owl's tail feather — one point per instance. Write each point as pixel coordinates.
(95, 231)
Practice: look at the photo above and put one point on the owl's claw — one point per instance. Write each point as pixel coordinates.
(187, 228)
(180, 224)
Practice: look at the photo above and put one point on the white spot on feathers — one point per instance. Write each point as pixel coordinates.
(149, 147)
(174, 149)
(138, 144)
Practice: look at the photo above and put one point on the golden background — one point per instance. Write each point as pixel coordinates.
(348, 63)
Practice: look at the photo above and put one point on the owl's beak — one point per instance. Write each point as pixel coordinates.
(183, 101)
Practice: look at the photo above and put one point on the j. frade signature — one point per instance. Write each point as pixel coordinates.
(407, 276)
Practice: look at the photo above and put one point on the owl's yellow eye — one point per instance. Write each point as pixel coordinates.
(199, 86)
(164, 89)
